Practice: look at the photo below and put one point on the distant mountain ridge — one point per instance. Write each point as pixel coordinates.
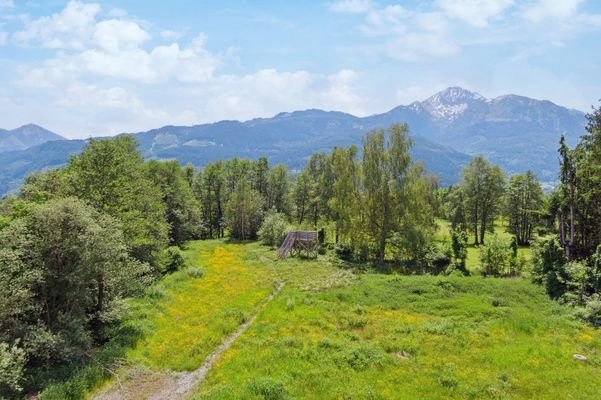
(25, 136)
(448, 128)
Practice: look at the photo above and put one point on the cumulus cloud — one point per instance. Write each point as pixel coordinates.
(106, 72)
(350, 6)
(69, 29)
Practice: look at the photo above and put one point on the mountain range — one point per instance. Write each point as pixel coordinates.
(448, 128)
(24, 137)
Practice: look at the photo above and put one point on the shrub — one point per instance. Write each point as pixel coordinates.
(273, 230)
(549, 268)
(494, 256)
(171, 260)
(12, 363)
(195, 272)
(267, 388)
(592, 309)
(363, 357)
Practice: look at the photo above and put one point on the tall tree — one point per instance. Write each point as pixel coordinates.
(181, 206)
(212, 198)
(524, 203)
(110, 176)
(386, 162)
(483, 186)
(244, 212)
(345, 198)
(278, 188)
(302, 195)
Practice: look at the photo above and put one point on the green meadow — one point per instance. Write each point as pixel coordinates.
(341, 332)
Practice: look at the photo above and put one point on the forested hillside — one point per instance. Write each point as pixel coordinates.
(518, 133)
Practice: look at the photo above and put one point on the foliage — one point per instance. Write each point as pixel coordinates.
(182, 209)
(110, 176)
(386, 163)
(273, 229)
(63, 270)
(494, 256)
(524, 203)
(12, 365)
(171, 260)
(459, 247)
(549, 268)
(244, 212)
(482, 185)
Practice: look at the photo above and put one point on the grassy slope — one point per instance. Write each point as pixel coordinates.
(465, 337)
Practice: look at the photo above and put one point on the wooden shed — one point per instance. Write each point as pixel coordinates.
(303, 243)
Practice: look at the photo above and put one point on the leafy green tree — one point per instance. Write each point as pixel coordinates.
(278, 189)
(386, 163)
(182, 209)
(483, 187)
(459, 247)
(211, 192)
(549, 268)
(273, 229)
(110, 176)
(524, 203)
(63, 269)
(303, 192)
(319, 169)
(244, 212)
(345, 200)
(260, 177)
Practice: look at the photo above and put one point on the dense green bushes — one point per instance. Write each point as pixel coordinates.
(63, 270)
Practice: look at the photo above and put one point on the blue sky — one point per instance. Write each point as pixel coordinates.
(86, 68)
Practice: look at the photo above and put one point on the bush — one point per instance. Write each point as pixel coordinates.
(12, 364)
(267, 389)
(549, 268)
(592, 309)
(195, 272)
(171, 260)
(273, 230)
(494, 256)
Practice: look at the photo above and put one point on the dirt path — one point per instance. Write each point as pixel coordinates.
(141, 383)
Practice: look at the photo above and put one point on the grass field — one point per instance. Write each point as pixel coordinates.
(337, 333)
(407, 337)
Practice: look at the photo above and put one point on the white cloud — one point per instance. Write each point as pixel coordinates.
(104, 78)
(7, 4)
(171, 35)
(351, 6)
(69, 29)
(409, 35)
(475, 12)
(3, 37)
(115, 35)
(386, 21)
(541, 10)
